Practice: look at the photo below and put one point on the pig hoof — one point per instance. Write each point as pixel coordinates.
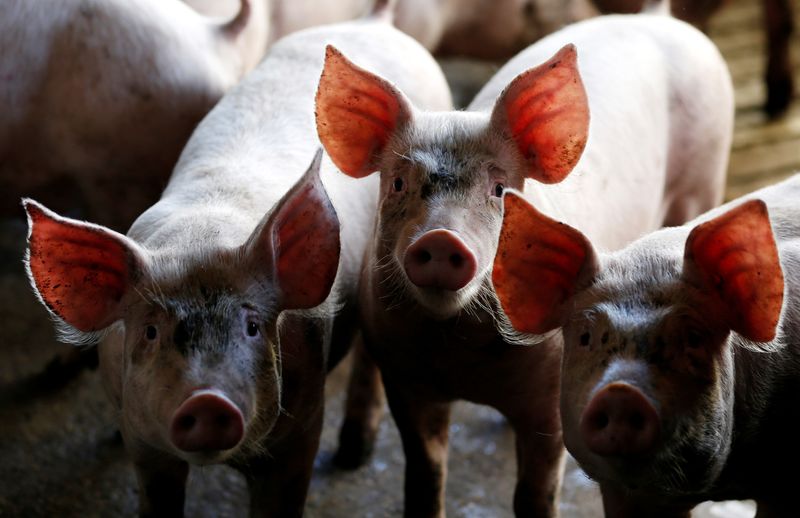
(355, 446)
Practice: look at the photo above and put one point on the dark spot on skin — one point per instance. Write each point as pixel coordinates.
(604, 338)
(184, 336)
(448, 176)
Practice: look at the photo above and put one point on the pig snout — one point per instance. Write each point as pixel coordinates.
(440, 259)
(620, 421)
(206, 421)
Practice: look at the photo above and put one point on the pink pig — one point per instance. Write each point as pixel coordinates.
(229, 300)
(655, 151)
(99, 97)
(681, 362)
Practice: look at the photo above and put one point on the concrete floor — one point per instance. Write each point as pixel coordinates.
(60, 453)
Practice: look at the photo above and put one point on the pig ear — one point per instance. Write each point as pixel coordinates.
(540, 264)
(357, 112)
(735, 256)
(300, 239)
(546, 112)
(80, 271)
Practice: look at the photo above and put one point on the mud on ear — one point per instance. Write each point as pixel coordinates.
(546, 112)
(540, 264)
(356, 112)
(735, 256)
(80, 271)
(299, 239)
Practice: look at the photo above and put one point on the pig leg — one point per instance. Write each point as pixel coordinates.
(767, 510)
(278, 481)
(363, 410)
(540, 463)
(619, 503)
(779, 26)
(423, 426)
(162, 482)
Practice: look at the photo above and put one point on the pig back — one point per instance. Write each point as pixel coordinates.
(640, 135)
(260, 138)
(104, 94)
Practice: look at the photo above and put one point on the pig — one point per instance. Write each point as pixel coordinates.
(778, 26)
(681, 360)
(228, 301)
(287, 16)
(99, 97)
(482, 29)
(661, 105)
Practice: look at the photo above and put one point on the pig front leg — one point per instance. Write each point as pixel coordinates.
(769, 510)
(540, 463)
(162, 482)
(363, 410)
(621, 503)
(423, 426)
(278, 480)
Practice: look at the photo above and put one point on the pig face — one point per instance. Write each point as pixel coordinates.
(200, 368)
(201, 376)
(647, 375)
(443, 174)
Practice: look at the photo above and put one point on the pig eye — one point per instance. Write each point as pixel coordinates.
(498, 189)
(150, 332)
(252, 329)
(398, 184)
(585, 337)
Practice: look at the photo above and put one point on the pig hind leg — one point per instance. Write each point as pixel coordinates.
(423, 426)
(779, 24)
(363, 410)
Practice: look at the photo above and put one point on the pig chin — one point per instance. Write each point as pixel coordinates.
(443, 304)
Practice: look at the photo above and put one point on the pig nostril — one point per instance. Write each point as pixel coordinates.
(223, 420)
(186, 422)
(423, 256)
(456, 260)
(600, 421)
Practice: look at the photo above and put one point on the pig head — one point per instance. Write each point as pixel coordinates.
(193, 346)
(650, 336)
(442, 176)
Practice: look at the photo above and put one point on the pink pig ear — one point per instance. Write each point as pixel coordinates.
(81, 272)
(546, 112)
(300, 239)
(357, 112)
(735, 256)
(540, 264)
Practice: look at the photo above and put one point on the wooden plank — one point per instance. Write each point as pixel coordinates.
(784, 154)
